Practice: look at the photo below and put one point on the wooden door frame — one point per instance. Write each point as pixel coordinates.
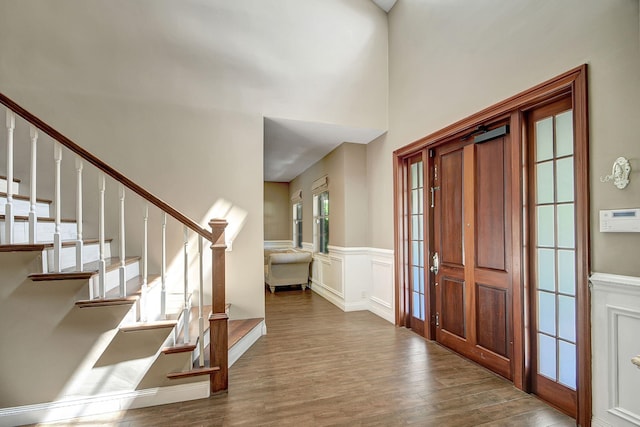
(574, 84)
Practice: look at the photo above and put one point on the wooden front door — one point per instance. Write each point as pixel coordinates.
(472, 250)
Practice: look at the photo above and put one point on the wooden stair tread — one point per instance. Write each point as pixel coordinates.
(111, 264)
(22, 247)
(69, 243)
(22, 218)
(27, 198)
(74, 275)
(159, 324)
(193, 372)
(107, 302)
(18, 180)
(237, 329)
(184, 348)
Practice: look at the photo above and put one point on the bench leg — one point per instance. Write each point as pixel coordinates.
(272, 289)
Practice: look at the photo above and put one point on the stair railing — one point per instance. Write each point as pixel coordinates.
(217, 319)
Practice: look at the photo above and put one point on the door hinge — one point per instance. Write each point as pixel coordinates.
(437, 320)
(432, 152)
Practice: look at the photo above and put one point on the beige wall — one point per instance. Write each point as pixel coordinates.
(173, 93)
(450, 59)
(277, 211)
(346, 169)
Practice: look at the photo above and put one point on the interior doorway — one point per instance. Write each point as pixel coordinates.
(487, 212)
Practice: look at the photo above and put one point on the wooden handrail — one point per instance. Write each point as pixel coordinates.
(75, 148)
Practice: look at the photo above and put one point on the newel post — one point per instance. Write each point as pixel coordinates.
(218, 346)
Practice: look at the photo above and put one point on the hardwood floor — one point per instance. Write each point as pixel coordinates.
(319, 366)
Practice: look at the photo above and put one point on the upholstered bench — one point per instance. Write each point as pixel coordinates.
(287, 268)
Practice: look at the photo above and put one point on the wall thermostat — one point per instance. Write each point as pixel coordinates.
(620, 221)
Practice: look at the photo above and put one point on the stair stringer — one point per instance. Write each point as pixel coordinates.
(70, 358)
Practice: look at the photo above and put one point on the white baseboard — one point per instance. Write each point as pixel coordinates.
(246, 342)
(325, 293)
(355, 279)
(102, 404)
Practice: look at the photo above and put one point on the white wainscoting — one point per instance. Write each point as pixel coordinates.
(351, 278)
(615, 341)
(355, 279)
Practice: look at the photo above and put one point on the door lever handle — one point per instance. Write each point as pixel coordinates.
(435, 265)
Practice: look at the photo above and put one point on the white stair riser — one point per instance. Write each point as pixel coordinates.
(22, 207)
(44, 233)
(3, 186)
(90, 253)
(112, 278)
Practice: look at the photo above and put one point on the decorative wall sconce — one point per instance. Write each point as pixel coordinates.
(619, 173)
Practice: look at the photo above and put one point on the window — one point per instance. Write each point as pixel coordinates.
(321, 222)
(297, 225)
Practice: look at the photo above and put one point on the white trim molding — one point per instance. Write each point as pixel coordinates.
(615, 324)
(103, 404)
(355, 278)
(246, 342)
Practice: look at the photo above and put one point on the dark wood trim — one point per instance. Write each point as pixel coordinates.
(583, 250)
(193, 373)
(522, 101)
(185, 348)
(17, 180)
(38, 247)
(572, 82)
(519, 348)
(218, 319)
(23, 218)
(26, 198)
(160, 324)
(80, 275)
(108, 170)
(107, 302)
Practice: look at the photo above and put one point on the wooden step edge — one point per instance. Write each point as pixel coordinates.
(23, 247)
(26, 198)
(184, 348)
(160, 324)
(76, 275)
(22, 218)
(106, 302)
(71, 243)
(112, 263)
(18, 180)
(192, 373)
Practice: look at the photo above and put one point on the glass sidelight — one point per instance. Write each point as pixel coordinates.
(555, 249)
(416, 238)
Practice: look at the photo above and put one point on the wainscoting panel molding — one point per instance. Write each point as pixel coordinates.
(615, 325)
(353, 278)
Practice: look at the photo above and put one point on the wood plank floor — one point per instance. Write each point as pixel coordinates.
(319, 366)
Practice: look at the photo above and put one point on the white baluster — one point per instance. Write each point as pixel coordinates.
(79, 220)
(123, 267)
(57, 238)
(186, 309)
(8, 207)
(144, 289)
(33, 216)
(163, 269)
(101, 262)
(201, 304)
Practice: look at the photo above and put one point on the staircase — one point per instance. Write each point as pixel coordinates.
(86, 327)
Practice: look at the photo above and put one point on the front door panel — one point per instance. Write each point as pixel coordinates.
(472, 225)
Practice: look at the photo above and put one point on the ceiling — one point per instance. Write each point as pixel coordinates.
(292, 146)
(385, 5)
